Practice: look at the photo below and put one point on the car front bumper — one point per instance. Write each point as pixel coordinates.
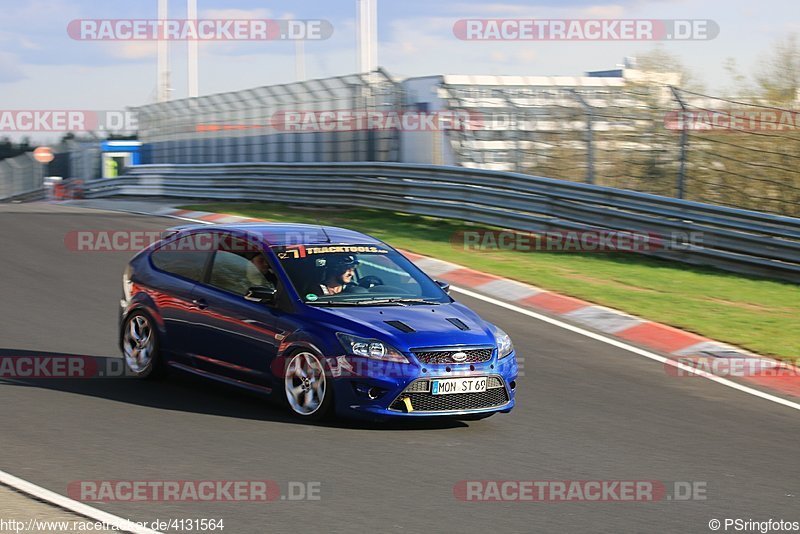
(403, 390)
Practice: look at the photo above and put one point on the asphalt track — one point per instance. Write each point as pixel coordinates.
(586, 411)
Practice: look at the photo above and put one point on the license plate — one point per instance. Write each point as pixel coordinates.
(458, 385)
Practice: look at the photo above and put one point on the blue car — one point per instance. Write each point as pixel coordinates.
(326, 320)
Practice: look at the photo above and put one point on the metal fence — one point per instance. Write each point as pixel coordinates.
(628, 133)
(649, 138)
(737, 240)
(250, 125)
(20, 176)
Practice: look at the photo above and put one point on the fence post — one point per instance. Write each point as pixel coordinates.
(681, 184)
(589, 136)
(514, 123)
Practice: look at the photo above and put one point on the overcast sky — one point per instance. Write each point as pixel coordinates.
(41, 67)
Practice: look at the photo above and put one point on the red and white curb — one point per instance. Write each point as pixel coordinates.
(677, 344)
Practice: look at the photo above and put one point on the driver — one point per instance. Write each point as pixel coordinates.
(264, 274)
(339, 274)
(261, 264)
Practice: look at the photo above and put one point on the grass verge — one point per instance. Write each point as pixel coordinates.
(757, 314)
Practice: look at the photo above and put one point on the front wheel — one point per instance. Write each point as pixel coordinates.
(307, 390)
(140, 346)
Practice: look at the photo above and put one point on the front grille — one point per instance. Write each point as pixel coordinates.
(446, 356)
(418, 393)
(425, 402)
(494, 382)
(419, 386)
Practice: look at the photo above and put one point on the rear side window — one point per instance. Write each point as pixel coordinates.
(238, 266)
(183, 257)
(235, 273)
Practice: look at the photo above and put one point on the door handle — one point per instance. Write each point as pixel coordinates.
(200, 303)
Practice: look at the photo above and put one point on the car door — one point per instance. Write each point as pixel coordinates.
(235, 337)
(179, 266)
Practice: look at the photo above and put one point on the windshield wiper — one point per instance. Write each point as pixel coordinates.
(333, 303)
(398, 300)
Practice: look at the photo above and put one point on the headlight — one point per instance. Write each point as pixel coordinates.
(504, 345)
(370, 348)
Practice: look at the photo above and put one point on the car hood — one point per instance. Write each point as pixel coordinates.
(432, 325)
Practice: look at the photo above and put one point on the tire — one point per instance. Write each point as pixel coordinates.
(307, 388)
(140, 347)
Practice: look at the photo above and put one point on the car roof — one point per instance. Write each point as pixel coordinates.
(277, 234)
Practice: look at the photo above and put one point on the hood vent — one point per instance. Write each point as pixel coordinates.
(458, 323)
(400, 325)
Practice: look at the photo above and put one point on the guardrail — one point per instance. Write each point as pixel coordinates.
(736, 240)
(30, 196)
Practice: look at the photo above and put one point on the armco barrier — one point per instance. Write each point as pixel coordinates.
(747, 242)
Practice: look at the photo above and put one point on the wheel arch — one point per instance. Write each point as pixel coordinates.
(143, 303)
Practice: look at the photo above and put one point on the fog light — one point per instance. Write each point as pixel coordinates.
(365, 390)
(513, 385)
(361, 389)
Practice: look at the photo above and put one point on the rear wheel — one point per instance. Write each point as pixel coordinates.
(307, 390)
(140, 346)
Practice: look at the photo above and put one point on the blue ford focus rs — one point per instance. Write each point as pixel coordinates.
(324, 319)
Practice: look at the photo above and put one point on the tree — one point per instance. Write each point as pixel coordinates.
(659, 60)
(742, 87)
(779, 76)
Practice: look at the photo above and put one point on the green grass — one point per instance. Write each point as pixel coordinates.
(757, 314)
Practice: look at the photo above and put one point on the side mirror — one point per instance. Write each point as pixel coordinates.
(263, 294)
(444, 285)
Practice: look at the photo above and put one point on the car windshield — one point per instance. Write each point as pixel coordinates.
(357, 275)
